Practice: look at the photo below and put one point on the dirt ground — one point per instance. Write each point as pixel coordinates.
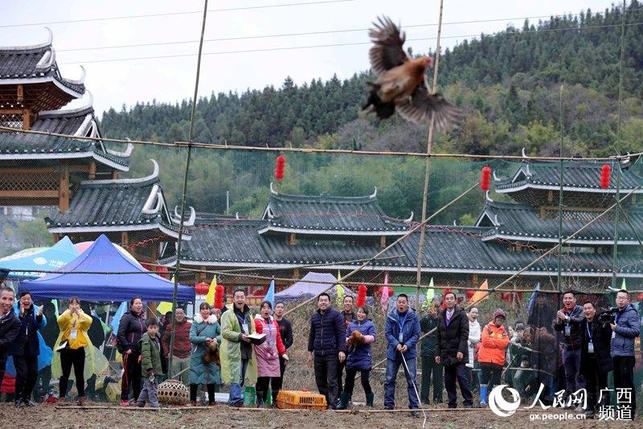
(220, 416)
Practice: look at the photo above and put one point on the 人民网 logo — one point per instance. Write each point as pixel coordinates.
(499, 405)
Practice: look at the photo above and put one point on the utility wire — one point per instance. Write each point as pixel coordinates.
(156, 15)
(308, 33)
(332, 45)
(218, 146)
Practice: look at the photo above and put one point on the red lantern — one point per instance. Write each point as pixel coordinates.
(201, 288)
(361, 295)
(280, 167)
(606, 175)
(469, 293)
(485, 178)
(506, 296)
(219, 296)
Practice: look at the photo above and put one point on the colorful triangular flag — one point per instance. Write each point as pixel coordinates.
(481, 294)
(386, 293)
(430, 294)
(339, 290)
(209, 298)
(117, 316)
(623, 285)
(270, 295)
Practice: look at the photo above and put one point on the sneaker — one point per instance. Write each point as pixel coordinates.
(29, 403)
(82, 401)
(124, 403)
(415, 413)
(19, 404)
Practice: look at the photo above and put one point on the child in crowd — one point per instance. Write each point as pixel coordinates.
(151, 367)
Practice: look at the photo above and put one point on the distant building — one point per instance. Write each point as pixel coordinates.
(79, 177)
(297, 234)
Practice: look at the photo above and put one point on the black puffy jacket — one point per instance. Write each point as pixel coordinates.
(327, 333)
(130, 330)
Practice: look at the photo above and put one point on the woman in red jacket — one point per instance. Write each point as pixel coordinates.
(491, 356)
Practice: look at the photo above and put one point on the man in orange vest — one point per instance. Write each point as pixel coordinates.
(491, 355)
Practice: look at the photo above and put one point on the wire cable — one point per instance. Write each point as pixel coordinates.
(218, 146)
(330, 45)
(308, 33)
(156, 15)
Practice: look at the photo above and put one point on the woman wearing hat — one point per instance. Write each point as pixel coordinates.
(491, 355)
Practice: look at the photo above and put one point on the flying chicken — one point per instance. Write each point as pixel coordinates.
(401, 83)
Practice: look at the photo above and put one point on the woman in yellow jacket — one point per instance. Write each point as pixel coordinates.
(491, 355)
(71, 343)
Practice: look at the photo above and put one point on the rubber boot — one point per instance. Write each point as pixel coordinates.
(344, 399)
(370, 397)
(211, 398)
(483, 395)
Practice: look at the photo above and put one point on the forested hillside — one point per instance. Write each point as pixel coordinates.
(507, 83)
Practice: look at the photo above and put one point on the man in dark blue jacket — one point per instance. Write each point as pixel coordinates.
(326, 347)
(402, 333)
(626, 328)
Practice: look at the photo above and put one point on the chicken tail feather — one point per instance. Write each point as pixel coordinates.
(382, 110)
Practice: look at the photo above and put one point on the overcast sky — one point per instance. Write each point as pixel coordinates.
(118, 76)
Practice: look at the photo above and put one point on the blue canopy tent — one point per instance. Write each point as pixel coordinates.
(49, 259)
(77, 279)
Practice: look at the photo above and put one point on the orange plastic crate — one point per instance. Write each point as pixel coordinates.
(294, 399)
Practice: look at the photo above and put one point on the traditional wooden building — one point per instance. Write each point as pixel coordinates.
(298, 233)
(79, 177)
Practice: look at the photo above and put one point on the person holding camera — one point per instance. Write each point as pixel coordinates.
(626, 326)
(452, 350)
(595, 360)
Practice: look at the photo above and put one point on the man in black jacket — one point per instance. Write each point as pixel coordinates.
(326, 347)
(285, 329)
(9, 325)
(452, 350)
(596, 361)
(568, 323)
(429, 323)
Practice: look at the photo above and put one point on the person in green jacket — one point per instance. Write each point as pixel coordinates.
(151, 366)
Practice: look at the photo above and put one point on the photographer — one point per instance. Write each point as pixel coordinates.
(595, 361)
(625, 328)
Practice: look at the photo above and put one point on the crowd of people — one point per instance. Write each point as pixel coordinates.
(235, 347)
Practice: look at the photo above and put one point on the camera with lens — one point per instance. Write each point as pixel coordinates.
(608, 316)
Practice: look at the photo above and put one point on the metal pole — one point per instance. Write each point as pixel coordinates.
(185, 186)
(615, 247)
(427, 167)
(560, 197)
